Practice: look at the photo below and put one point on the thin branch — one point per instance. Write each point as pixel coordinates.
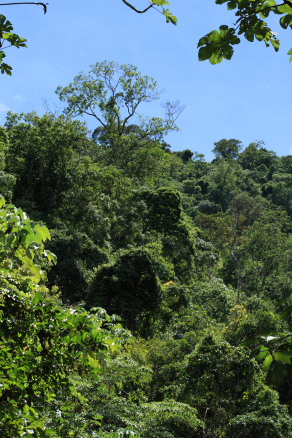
(272, 7)
(137, 10)
(94, 115)
(4, 48)
(44, 5)
(131, 114)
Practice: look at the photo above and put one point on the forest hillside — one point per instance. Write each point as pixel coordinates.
(145, 292)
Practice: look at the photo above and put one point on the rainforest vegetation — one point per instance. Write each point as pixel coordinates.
(145, 292)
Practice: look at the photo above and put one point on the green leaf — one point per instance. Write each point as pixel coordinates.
(37, 298)
(216, 57)
(170, 18)
(160, 2)
(249, 35)
(43, 231)
(275, 43)
(26, 409)
(50, 256)
(286, 21)
(264, 351)
(217, 46)
(205, 52)
(284, 9)
(284, 356)
(2, 201)
(267, 362)
(5, 68)
(231, 4)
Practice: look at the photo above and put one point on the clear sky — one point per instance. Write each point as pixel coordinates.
(247, 98)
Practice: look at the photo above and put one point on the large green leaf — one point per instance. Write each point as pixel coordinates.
(217, 45)
(267, 362)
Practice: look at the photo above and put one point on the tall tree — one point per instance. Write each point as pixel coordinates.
(112, 94)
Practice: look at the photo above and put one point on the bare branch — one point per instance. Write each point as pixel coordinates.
(44, 5)
(137, 10)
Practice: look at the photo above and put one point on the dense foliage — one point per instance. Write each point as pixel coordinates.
(193, 256)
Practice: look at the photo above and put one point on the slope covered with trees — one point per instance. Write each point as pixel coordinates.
(193, 257)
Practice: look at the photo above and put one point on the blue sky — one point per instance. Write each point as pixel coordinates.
(247, 98)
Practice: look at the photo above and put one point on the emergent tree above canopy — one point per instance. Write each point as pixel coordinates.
(113, 94)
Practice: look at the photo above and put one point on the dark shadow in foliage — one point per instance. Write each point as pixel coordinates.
(178, 247)
(191, 188)
(279, 191)
(208, 207)
(77, 257)
(164, 216)
(164, 209)
(264, 423)
(186, 155)
(225, 385)
(175, 301)
(129, 288)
